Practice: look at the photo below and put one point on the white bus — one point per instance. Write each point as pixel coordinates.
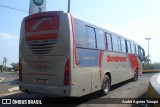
(63, 55)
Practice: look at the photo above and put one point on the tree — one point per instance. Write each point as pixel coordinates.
(15, 66)
(1, 68)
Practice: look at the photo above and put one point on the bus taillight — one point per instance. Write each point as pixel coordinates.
(20, 70)
(67, 73)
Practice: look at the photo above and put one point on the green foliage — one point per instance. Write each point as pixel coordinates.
(15, 66)
(0, 67)
(153, 66)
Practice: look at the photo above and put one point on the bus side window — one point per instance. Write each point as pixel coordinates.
(108, 42)
(139, 50)
(143, 52)
(80, 34)
(136, 49)
(128, 47)
(123, 45)
(115, 43)
(100, 39)
(119, 45)
(91, 43)
(132, 47)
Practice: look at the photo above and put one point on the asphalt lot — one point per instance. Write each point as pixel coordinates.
(8, 80)
(127, 89)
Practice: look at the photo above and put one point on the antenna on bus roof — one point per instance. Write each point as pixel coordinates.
(69, 2)
(37, 6)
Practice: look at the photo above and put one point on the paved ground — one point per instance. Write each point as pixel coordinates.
(8, 81)
(128, 89)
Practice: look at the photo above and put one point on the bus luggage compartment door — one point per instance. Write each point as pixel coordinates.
(44, 70)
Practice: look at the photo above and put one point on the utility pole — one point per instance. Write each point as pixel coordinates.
(148, 49)
(69, 2)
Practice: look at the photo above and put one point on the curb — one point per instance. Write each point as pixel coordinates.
(13, 89)
(7, 94)
(153, 88)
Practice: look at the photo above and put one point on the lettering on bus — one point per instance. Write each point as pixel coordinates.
(116, 58)
(42, 32)
(41, 67)
(88, 58)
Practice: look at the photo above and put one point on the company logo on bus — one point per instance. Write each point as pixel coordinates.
(116, 59)
(38, 2)
(42, 29)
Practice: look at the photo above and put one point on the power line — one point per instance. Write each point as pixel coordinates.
(13, 8)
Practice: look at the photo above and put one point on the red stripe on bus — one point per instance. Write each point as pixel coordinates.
(74, 41)
(20, 70)
(100, 65)
(66, 81)
(134, 62)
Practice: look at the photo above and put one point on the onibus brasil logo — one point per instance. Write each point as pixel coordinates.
(38, 2)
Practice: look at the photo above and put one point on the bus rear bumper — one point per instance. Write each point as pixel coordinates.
(50, 90)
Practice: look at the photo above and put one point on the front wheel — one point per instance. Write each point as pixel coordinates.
(106, 85)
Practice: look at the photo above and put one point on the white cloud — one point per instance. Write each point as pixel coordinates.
(5, 36)
(8, 40)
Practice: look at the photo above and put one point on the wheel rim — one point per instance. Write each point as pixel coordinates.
(106, 86)
(135, 76)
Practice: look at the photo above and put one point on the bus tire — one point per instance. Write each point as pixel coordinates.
(106, 85)
(135, 78)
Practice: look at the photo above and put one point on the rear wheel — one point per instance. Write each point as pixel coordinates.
(135, 78)
(106, 85)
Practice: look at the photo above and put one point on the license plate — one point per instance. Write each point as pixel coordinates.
(41, 81)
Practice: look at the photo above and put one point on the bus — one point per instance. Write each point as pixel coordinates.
(66, 56)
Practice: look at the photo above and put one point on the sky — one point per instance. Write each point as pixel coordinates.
(134, 19)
